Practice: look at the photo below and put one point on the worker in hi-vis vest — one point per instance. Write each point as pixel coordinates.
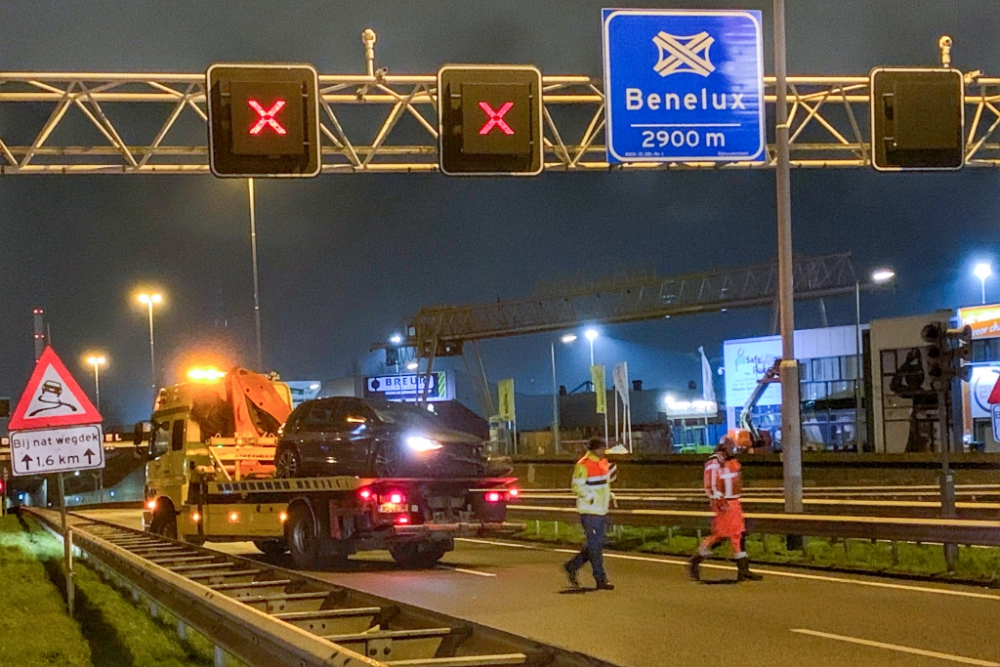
(724, 486)
(592, 479)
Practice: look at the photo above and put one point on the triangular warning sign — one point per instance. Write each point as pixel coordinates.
(995, 394)
(52, 398)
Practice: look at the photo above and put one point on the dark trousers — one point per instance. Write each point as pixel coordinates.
(593, 550)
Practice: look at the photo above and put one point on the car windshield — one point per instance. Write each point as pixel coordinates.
(404, 414)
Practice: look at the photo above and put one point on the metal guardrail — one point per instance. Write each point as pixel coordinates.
(254, 637)
(927, 505)
(899, 529)
(266, 615)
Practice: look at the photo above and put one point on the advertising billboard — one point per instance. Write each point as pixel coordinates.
(984, 320)
(410, 387)
(746, 361)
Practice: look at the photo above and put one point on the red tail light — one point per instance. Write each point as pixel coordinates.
(513, 493)
(397, 498)
(493, 497)
(402, 520)
(365, 494)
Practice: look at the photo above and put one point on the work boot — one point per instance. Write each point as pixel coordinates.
(743, 572)
(605, 585)
(571, 573)
(694, 565)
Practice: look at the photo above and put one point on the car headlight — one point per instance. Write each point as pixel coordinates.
(418, 443)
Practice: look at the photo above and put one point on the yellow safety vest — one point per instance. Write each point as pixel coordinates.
(592, 479)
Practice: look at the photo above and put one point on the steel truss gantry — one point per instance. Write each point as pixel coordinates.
(131, 123)
(442, 330)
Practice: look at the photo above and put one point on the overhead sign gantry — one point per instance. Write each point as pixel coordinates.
(829, 123)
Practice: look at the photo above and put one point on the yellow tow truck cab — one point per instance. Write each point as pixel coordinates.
(210, 476)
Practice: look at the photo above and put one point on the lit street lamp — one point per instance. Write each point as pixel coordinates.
(566, 340)
(148, 300)
(395, 339)
(412, 365)
(97, 361)
(983, 271)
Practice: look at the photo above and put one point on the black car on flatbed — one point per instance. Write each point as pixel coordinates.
(375, 438)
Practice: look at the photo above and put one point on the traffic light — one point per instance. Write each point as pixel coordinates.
(917, 119)
(263, 120)
(947, 351)
(490, 120)
(960, 352)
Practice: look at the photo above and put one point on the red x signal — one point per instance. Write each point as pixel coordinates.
(267, 117)
(496, 118)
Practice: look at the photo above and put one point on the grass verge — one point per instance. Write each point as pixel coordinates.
(34, 628)
(975, 564)
(110, 629)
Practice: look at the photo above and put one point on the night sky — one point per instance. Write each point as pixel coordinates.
(343, 259)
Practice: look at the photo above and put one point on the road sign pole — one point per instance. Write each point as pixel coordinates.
(791, 432)
(67, 545)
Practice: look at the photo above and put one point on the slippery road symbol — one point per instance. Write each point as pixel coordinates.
(56, 389)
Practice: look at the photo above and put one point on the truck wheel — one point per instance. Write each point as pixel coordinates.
(271, 548)
(418, 555)
(287, 463)
(164, 523)
(301, 537)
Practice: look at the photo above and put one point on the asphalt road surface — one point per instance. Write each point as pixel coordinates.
(656, 617)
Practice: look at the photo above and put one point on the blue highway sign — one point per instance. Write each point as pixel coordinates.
(683, 86)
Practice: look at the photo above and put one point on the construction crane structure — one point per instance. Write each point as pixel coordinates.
(444, 331)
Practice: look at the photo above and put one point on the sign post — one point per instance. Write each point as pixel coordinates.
(56, 429)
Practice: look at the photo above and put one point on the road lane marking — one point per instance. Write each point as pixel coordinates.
(776, 573)
(478, 574)
(902, 649)
(445, 566)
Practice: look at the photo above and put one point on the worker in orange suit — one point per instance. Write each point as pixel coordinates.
(724, 485)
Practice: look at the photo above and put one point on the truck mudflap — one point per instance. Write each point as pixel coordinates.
(458, 529)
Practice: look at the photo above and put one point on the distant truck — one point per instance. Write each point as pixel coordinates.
(210, 476)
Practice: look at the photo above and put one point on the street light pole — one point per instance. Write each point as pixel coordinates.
(148, 300)
(556, 440)
(791, 434)
(152, 350)
(858, 363)
(96, 362)
(256, 287)
(97, 385)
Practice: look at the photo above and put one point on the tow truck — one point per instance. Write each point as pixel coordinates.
(210, 476)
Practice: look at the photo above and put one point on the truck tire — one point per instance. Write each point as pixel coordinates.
(164, 523)
(271, 548)
(287, 463)
(302, 538)
(418, 555)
